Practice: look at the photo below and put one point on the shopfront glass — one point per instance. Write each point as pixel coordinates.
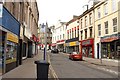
(11, 52)
(111, 50)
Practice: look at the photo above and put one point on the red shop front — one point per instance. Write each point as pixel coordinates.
(87, 48)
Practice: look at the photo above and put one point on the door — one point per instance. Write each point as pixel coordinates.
(98, 50)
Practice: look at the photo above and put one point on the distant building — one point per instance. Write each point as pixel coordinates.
(42, 36)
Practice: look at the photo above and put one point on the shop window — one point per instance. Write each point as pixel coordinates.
(11, 52)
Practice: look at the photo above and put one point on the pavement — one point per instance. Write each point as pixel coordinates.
(25, 71)
(108, 65)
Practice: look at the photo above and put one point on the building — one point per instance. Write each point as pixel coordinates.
(42, 36)
(58, 35)
(72, 35)
(86, 38)
(107, 29)
(19, 32)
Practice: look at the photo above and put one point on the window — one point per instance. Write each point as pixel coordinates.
(78, 32)
(75, 33)
(63, 36)
(81, 23)
(85, 33)
(91, 32)
(68, 36)
(106, 27)
(81, 35)
(85, 21)
(106, 9)
(60, 36)
(115, 25)
(11, 52)
(90, 18)
(99, 14)
(114, 5)
(99, 30)
(72, 33)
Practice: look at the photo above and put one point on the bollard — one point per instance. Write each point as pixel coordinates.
(42, 70)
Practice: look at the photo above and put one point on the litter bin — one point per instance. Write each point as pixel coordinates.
(42, 69)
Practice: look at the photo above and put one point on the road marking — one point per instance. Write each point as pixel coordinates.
(52, 70)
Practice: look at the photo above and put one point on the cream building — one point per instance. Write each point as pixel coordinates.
(72, 35)
(107, 29)
(86, 38)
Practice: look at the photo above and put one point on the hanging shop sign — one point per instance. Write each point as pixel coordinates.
(12, 37)
(109, 38)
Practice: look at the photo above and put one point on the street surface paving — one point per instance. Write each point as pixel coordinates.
(65, 68)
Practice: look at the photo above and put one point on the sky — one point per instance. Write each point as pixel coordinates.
(51, 11)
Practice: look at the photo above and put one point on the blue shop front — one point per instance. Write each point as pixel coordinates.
(9, 40)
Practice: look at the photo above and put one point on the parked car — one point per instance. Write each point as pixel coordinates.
(54, 51)
(75, 56)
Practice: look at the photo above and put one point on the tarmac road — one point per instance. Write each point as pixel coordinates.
(65, 68)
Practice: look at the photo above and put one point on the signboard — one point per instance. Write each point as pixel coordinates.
(12, 37)
(1, 10)
(110, 38)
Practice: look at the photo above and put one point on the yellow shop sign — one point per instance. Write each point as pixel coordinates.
(12, 37)
(72, 43)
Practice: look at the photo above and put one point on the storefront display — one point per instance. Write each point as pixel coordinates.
(87, 48)
(110, 47)
(11, 52)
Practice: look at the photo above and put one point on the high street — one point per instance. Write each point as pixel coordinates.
(65, 68)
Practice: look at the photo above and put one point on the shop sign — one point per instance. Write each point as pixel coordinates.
(72, 43)
(87, 42)
(28, 33)
(109, 38)
(1, 10)
(60, 41)
(12, 37)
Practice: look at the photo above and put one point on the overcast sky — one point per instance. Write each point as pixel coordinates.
(54, 10)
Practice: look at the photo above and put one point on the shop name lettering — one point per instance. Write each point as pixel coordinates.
(86, 42)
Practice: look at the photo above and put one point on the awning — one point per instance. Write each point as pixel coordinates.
(109, 38)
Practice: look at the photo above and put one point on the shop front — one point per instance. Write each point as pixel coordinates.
(72, 45)
(53, 45)
(87, 48)
(9, 40)
(110, 46)
(60, 45)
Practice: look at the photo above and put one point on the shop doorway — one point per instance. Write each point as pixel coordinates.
(98, 50)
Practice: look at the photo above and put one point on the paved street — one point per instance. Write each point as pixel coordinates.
(65, 68)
